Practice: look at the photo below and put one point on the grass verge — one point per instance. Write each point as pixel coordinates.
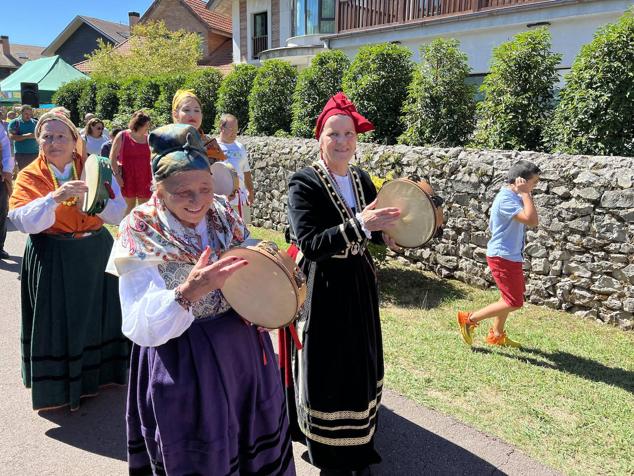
(566, 399)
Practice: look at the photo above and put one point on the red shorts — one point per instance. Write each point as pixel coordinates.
(509, 277)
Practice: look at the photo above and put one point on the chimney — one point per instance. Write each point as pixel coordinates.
(6, 48)
(133, 18)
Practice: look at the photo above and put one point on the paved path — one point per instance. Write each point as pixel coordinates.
(412, 440)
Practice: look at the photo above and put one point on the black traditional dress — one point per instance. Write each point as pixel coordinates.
(338, 375)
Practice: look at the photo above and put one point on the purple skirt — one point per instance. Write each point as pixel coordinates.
(206, 403)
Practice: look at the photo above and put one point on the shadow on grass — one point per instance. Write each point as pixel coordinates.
(97, 427)
(573, 364)
(411, 288)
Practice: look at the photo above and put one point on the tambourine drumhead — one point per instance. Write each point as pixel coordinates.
(263, 292)
(225, 178)
(417, 222)
(95, 173)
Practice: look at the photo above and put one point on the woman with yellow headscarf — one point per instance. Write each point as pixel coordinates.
(187, 109)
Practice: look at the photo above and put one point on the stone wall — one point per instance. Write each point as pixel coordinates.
(580, 258)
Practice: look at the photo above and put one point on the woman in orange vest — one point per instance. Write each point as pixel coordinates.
(71, 316)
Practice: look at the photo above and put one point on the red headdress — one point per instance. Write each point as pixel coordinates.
(340, 104)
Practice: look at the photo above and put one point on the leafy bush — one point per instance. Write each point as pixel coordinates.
(107, 99)
(68, 96)
(168, 87)
(440, 106)
(271, 98)
(315, 85)
(233, 95)
(148, 94)
(205, 84)
(122, 119)
(377, 82)
(129, 93)
(595, 114)
(87, 100)
(519, 93)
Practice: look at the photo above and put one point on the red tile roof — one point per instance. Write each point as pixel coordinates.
(212, 19)
(20, 54)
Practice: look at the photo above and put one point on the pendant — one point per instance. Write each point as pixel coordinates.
(354, 248)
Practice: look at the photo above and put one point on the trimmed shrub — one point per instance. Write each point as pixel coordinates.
(122, 119)
(87, 100)
(595, 114)
(148, 94)
(315, 85)
(440, 106)
(271, 98)
(107, 99)
(205, 84)
(377, 82)
(168, 87)
(68, 96)
(233, 95)
(129, 94)
(519, 93)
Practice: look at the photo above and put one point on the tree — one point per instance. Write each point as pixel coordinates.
(107, 99)
(440, 106)
(233, 95)
(68, 96)
(315, 85)
(271, 98)
(377, 82)
(595, 114)
(154, 51)
(519, 93)
(87, 100)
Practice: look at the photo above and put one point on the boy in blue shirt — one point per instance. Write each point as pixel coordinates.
(512, 211)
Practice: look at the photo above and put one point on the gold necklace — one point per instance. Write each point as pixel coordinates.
(72, 201)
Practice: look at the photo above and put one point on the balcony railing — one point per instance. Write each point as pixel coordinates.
(360, 14)
(260, 43)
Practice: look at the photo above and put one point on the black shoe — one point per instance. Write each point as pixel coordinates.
(4, 255)
(362, 472)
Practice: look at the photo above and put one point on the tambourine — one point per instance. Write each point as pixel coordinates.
(98, 177)
(225, 178)
(214, 152)
(421, 217)
(270, 291)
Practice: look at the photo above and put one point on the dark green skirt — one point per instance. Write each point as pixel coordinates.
(71, 319)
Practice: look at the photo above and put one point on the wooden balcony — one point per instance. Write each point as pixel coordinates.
(361, 14)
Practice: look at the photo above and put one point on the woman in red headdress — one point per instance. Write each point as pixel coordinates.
(337, 376)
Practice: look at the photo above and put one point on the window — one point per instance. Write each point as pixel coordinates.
(260, 34)
(313, 17)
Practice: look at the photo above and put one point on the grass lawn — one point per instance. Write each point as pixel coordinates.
(567, 398)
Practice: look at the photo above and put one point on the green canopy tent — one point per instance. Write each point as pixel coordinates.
(48, 72)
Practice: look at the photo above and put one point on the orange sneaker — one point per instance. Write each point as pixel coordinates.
(502, 340)
(467, 328)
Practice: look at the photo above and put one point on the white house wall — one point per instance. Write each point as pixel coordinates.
(285, 21)
(571, 27)
(235, 29)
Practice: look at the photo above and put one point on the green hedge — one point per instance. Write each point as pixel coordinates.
(440, 105)
(107, 99)
(271, 98)
(68, 96)
(233, 94)
(315, 85)
(595, 114)
(377, 82)
(519, 93)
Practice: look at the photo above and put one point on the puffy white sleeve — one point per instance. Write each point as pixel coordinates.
(151, 316)
(36, 216)
(115, 208)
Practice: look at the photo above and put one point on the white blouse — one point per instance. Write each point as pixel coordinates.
(150, 314)
(345, 187)
(39, 214)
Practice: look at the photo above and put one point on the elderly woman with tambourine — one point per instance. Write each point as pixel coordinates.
(71, 317)
(338, 374)
(205, 395)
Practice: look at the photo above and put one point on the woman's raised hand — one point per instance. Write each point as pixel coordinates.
(376, 219)
(205, 277)
(72, 188)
